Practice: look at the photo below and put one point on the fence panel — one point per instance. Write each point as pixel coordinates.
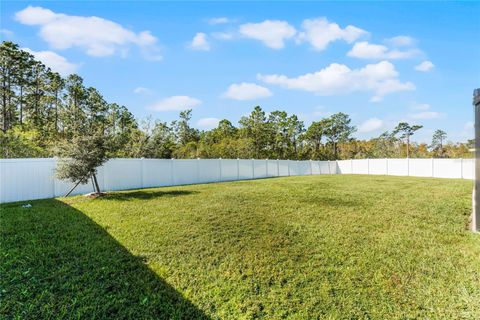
(332, 167)
(260, 169)
(208, 170)
(229, 170)
(123, 174)
(316, 167)
(447, 168)
(468, 168)
(283, 168)
(272, 168)
(397, 167)
(293, 168)
(421, 167)
(245, 169)
(378, 166)
(185, 171)
(360, 166)
(325, 167)
(28, 179)
(344, 166)
(304, 168)
(157, 172)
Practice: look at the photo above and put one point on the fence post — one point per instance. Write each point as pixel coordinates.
(311, 170)
(54, 178)
(142, 164)
(408, 167)
(238, 169)
(386, 165)
(461, 168)
(220, 168)
(351, 166)
(278, 168)
(172, 170)
(368, 165)
(433, 168)
(253, 168)
(198, 170)
(266, 169)
(288, 166)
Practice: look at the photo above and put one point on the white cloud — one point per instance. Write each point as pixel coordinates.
(272, 33)
(54, 61)
(365, 50)
(175, 103)
(200, 42)
(223, 35)
(320, 33)
(420, 106)
(336, 79)
(6, 32)
(208, 123)
(142, 90)
(425, 66)
(425, 115)
(219, 20)
(401, 41)
(98, 37)
(370, 125)
(246, 91)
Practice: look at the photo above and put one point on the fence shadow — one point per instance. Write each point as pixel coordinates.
(146, 194)
(58, 263)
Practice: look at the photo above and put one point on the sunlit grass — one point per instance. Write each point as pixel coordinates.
(356, 247)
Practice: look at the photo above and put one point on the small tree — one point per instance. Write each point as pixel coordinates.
(437, 141)
(80, 159)
(338, 130)
(406, 132)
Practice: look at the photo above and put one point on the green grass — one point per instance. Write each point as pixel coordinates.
(329, 247)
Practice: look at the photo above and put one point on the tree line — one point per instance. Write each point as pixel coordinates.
(41, 110)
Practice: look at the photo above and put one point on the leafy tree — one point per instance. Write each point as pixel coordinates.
(295, 128)
(184, 133)
(81, 158)
(224, 130)
(56, 85)
(338, 130)
(438, 138)
(161, 143)
(256, 128)
(10, 66)
(384, 145)
(406, 131)
(18, 143)
(314, 136)
(279, 140)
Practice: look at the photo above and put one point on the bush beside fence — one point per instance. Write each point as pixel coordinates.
(28, 179)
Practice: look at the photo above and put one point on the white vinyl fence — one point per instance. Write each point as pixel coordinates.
(28, 179)
(435, 168)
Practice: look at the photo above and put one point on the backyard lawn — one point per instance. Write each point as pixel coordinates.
(329, 247)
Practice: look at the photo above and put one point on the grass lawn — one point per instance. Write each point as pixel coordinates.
(329, 247)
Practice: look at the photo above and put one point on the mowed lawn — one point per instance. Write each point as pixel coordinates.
(312, 247)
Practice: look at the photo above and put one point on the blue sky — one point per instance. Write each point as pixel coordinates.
(379, 62)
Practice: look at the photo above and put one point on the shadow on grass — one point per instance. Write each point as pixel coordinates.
(58, 263)
(145, 194)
